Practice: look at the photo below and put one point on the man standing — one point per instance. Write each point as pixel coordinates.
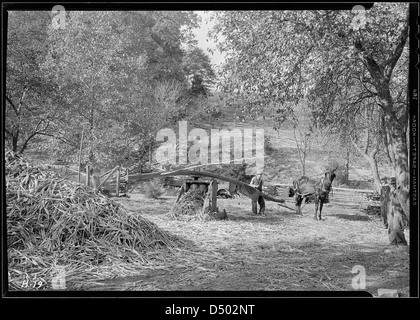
(257, 183)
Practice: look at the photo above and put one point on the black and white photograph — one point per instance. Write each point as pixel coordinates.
(245, 150)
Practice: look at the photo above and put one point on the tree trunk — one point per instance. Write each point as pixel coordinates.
(150, 154)
(302, 150)
(347, 168)
(381, 76)
(304, 163)
(371, 158)
(385, 197)
(398, 142)
(15, 139)
(396, 221)
(399, 208)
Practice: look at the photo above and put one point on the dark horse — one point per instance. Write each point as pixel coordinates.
(303, 188)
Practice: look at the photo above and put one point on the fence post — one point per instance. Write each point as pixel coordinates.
(118, 183)
(213, 207)
(87, 175)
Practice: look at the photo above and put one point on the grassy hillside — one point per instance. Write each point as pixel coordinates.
(282, 163)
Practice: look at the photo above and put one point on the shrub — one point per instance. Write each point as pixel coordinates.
(154, 188)
(268, 147)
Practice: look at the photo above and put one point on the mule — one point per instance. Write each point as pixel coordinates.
(303, 188)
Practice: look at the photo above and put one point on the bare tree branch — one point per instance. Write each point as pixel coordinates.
(366, 88)
(36, 132)
(392, 61)
(8, 132)
(12, 104)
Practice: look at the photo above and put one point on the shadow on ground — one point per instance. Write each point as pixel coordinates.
(271, 218)
(354, 217)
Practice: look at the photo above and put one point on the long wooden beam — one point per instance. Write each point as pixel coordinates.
(143, 176)
(245, 188)
(334, 188)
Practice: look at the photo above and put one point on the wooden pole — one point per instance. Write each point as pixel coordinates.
(284, 206)
(118, 183)
(209, 195)
(94, 180)
(213, 207)
(80, 152)
(150, 155)
(87, 175)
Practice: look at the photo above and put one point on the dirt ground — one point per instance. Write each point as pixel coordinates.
(277, 251)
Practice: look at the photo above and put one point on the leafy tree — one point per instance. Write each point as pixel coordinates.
(377, 52)
(199, 71)
(303, 131)
(160, 37)
(121, 73)
(283, 56)
(197, 86)
(261, 65)
(82, 57)
(32, 102)
(368, 145)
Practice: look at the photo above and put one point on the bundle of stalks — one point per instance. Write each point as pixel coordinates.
(189, 207)
(53, 222)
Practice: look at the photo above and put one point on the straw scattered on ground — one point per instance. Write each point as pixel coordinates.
(55, 225)
(278, 251)
(189, 207)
